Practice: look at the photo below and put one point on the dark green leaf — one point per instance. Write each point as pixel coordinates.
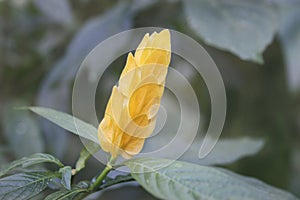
(176, 180)
(68, 122)
(66, 176)
(243, 27)
(25, 185)
(76, 192)
(29, 161)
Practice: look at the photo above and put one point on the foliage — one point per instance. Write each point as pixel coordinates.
(165, 179)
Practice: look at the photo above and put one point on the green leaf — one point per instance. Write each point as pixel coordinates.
(76, 192)
(85, 154)
(177, 180)
(29, 161)
(66, 176)
(244, 27)
(68, 122)
(226, 151)
(25, 185)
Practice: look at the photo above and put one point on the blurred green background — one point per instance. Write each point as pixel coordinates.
(255, 44)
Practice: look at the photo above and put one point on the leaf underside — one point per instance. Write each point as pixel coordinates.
(177, 180)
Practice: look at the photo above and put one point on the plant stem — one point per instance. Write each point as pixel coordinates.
(103, 174)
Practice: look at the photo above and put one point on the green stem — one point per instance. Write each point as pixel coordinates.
(103, 174)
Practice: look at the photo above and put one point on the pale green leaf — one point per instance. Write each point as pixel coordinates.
(66, 176)
(289, 35)
(86, 154)
(29, 161)
(68, 122)
(25, 185)
(226, 151)
(243, 27)
(177, 180)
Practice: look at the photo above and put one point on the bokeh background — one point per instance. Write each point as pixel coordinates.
(255, 44)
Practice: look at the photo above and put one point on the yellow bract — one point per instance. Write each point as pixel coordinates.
(131, 111)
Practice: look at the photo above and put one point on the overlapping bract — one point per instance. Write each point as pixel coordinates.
(131, 111)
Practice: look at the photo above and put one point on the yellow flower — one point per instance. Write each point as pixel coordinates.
(131, 111)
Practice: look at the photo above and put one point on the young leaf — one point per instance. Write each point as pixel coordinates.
(66, 176)
(24, 185)
(29, 161)
(177, 180)
(85, 154)
(68, 122)
(76, 192)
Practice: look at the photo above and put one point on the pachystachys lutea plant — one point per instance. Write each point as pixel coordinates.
(129, 119)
